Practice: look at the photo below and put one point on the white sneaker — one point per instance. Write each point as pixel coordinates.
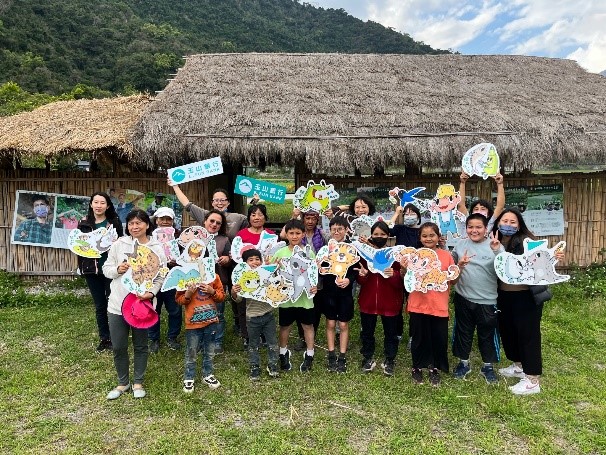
(188, 386)
(512, 371)
(525, 387)
(212, 382)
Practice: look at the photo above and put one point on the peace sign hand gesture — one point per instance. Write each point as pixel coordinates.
(494, 242)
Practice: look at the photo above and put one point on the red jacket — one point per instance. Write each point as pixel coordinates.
(378, 295)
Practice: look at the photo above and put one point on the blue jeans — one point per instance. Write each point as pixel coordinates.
(204, 338)
(220, 330)
(167, 298)
(263, 325)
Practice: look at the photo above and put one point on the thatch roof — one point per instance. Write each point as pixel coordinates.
(96, 126)
(297, 103)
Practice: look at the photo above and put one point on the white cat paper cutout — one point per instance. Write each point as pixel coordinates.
(166, 236)
(424, 270)
(267, 246)
(182, 275)
(315, 196)
(300, 269)
(536, 265)
(145, 266)
(336, 258)
(262, 283)
(482, 159)
(377, 260)
(91, 244)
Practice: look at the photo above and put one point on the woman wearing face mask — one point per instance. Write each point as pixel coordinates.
(379, 296)
(519, 317)
(101, 213)
(481, 205)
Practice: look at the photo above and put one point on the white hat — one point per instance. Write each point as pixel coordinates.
(163, 211)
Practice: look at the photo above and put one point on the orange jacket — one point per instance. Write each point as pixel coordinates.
(201, 308)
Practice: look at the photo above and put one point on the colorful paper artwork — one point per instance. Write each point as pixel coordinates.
(202, 270)
(482, 159)
(145, 266)
(444, 210)
(166, 237)
(360, 226)
(424, 271)
(262, 283)
(300, 269)
(401, 197)
(315, 196)
(535, 266)
(91, 244)
(268, 245)
(203, 237)
(378, 259)
(336, 258)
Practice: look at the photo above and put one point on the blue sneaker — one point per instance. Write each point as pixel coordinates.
(461, 370)
(488, 372)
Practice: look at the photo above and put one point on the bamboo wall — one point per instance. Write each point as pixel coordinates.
(584, 204)
(32, 260)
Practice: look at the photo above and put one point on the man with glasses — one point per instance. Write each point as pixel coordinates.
(39, 228)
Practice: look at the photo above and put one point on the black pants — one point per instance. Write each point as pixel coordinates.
(429, 346)
(468, 317)
(99, 289)
(367, 335)
(520, 329)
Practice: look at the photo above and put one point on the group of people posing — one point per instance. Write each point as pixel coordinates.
(497, 311)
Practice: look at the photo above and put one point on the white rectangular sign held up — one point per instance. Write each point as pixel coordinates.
(195, 171)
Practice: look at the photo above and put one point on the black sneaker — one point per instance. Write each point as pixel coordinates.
(173, 344)
(417, 376)
(154, 346)
(368, 365)
(488, 372)
(104, 345)
(272, 371)
(255, 373)
(262, 341)
(307, 363)
(434, 377)
(300, 345)
(332, 361)
(285, 364)
(388, 367)
(341, 364)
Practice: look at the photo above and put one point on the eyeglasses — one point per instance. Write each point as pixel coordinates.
(218, 223)
(220, 200)
(336, 230)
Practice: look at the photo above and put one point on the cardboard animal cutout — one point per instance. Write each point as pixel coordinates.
(336, 258)
(262, 283)
(300, 269)
(401, 197)
(424, 272)
(91, 244)
(145, 266)
(378, 259)
(268, 245)
(315, 196)
(199, 233)
(182, 275)
(482, 159)
(444, 210)
(166, 236)
(203, 244)
(536, 265)
(361, 226)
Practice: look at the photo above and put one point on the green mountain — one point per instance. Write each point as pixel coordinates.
(51, 46)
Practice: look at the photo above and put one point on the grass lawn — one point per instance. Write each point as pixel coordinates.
(53, 387)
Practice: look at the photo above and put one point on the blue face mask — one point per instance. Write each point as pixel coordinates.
(41, 211)
(507, 230)
(410, 220)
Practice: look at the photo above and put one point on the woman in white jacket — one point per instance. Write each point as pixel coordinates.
(138, 229)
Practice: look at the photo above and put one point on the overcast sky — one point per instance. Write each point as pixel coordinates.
(574, 29)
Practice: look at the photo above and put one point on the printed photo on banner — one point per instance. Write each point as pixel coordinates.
(267, 191)
(126, 200)
(196, 171)
(46, 219)
(542, 207)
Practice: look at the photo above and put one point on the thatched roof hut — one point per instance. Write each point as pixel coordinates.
(344, 111)
(97, 126)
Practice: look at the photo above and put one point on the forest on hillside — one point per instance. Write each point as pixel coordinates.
(122, 46)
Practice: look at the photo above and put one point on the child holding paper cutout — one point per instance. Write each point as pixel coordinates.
(481, 205)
